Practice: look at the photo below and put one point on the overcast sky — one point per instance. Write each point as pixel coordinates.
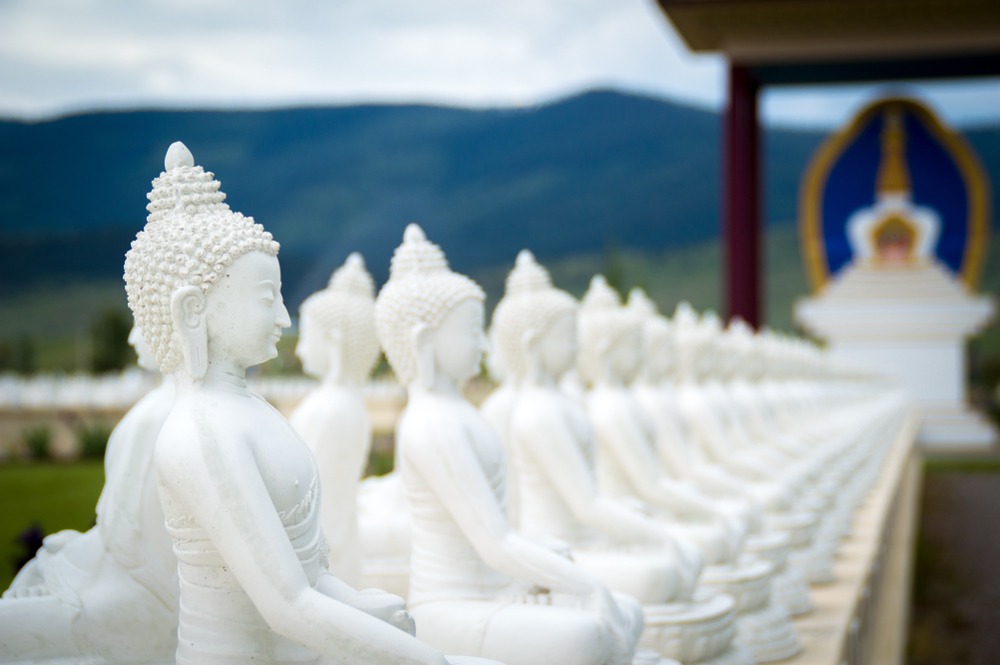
(63, 56)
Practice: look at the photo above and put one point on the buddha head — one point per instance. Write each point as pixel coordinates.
(534, 324)
(741, 349)
(687, 339)
(429, 319)
(714, 359)
(203, 282)
(337, 337)
(610, 336)
(657, 342)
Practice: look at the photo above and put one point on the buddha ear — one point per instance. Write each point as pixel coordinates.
(187, 309)
(422, 340)
(532, 357)
(336, 341)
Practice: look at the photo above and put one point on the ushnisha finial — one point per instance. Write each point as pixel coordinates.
(710, 319)
(177, 155)
(414, 233)
(640, 303)
(600, 295)
(527, 275)
(417, 254)
(684, 314)
(353, 277)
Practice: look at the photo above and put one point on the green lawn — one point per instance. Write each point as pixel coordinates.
(59, 496)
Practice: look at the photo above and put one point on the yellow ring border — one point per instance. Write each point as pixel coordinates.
(963, 156)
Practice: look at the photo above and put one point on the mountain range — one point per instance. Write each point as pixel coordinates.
(602, 169)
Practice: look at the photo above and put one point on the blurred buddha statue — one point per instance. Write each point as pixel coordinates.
(109, 593)
(338, 345)
(684, 461)
(497, 408)
(610, 358)
(239, 488)
(535, 332)
(611, 353)
(477, 586)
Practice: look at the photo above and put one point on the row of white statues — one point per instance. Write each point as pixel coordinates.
(637, 490)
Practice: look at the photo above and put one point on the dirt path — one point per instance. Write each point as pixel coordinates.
(956, 602)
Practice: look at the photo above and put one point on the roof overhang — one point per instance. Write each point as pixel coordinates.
(813, 41)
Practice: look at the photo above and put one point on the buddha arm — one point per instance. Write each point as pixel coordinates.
(549, 443)
(622, 435)
(220, 485)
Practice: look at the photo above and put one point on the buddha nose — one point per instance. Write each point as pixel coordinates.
(284, 320)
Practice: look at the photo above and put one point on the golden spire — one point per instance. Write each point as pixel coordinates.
(893, 173)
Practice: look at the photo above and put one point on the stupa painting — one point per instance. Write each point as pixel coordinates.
(894, 275)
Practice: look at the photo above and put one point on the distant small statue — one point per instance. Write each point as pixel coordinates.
(337, 344)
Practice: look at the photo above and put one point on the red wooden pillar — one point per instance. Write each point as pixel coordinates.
(741, 214)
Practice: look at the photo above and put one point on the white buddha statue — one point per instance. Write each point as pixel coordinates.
(683, 459)
(338, 345)
(628, 466)
(497, 408)
(240, 490)
(534, 328)
(109, 593)
(477, 586)
(696, 398)
(610, 358)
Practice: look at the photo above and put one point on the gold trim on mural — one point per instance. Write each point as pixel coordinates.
(978, 222)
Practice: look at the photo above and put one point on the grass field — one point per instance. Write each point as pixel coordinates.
(58, 496)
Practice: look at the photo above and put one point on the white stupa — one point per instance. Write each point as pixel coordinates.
(896, 308)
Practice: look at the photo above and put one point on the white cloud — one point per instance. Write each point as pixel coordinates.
(59, 56)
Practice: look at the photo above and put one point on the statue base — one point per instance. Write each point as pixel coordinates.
(762, 628)
(695, 632)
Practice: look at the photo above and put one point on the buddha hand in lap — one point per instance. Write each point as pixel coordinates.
(239, 488)
(111, 592)
(337, 344)
(477, 587)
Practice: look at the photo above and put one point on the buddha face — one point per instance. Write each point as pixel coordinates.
(313, 348)
(245, 312)
(557, 348)
(459, 341)
(147, 360)
(625, 355)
